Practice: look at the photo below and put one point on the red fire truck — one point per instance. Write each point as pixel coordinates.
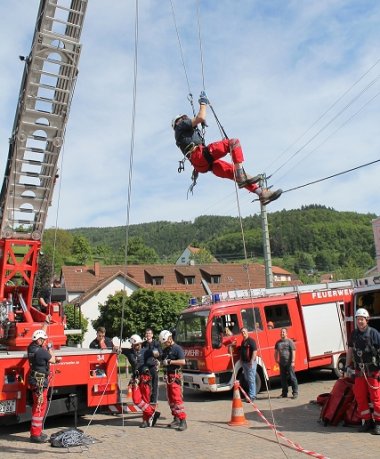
(84, 378)
(314, 316)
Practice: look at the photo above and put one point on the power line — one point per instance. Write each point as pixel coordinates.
(324, 114)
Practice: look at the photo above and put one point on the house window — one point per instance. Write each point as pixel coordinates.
(157, 280)
(215, 279)
(190, 280)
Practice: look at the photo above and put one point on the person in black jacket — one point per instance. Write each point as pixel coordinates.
(364, 354)
(39, 360)
(102, 341)
(138, 358)
(208, 158)
(152, 362)
(248, 359)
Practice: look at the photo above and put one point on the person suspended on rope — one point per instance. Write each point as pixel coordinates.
(205, 158)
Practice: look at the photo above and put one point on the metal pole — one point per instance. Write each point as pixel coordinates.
(266, 246)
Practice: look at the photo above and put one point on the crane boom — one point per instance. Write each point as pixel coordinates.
(43, 108)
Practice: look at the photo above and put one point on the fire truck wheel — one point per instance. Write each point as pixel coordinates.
(243, 382)
(339, 366)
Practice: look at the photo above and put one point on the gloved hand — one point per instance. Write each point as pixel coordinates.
(203, 99)
(156, 353)
(166, 362)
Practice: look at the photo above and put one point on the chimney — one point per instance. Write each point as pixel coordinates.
(97, 268)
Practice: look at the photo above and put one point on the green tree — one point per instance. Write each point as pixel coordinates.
(44, 274)
(57, 244)
(138, 253)
(203, 256)
(81, 249)
(158, 310)
(75, 320)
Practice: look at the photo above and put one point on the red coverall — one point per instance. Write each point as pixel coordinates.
(38, 412)
(141, 396)
(364, 345)
(174, 394)
(364, 387)
(219, 167)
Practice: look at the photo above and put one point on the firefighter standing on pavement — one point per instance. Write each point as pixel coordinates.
(39, 360)
(173, 358)
(141, 380)
(153, 362)
(364, 354)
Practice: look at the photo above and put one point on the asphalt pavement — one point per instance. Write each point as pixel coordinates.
(299, 434)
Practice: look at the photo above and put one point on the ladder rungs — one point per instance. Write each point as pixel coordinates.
(60, 21)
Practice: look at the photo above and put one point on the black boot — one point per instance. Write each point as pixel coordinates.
(173, 424)
(366, 426)
(182, 425)
(376, 430)
(43, 438)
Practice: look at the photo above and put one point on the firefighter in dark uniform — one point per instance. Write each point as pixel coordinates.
(141, 380)
(364, 354)
(173, 358)
(153, 362)
(39, 360)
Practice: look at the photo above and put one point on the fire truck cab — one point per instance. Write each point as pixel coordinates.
(366, 295)
(314, 316)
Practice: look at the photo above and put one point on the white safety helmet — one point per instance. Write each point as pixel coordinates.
(39, 334)
(175, 119)
(361, 312)
(164, 336)
(135, 339)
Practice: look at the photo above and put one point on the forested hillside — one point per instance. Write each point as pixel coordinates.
(313, 238)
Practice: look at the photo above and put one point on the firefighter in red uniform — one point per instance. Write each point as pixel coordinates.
(173, 358)
(139, 357)
(39, 359)
(207, 158)
(364, 353)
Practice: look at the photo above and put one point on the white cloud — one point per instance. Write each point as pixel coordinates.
(271, 70)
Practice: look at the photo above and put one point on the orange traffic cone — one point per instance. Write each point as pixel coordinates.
(237, 416)
(129, 393)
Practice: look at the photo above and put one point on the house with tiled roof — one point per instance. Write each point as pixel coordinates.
(89, 286)
(187, 256)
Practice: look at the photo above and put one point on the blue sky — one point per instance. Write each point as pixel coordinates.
(295, 81)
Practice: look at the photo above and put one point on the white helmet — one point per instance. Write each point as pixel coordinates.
(164, 336)
(175, 119)
(135, 339)
(39, 334)
(361, 312)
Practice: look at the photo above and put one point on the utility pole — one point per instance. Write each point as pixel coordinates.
(266, 246)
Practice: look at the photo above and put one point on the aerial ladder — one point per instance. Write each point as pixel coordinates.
(37, 137)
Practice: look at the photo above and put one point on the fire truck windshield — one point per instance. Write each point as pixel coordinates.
(191, 328)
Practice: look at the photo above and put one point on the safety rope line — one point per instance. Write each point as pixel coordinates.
(181, 49)
(273, 427)
(200, 44)
(331, 176)
(128, 208)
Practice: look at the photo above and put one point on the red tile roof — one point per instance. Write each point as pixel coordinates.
(82, 280)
